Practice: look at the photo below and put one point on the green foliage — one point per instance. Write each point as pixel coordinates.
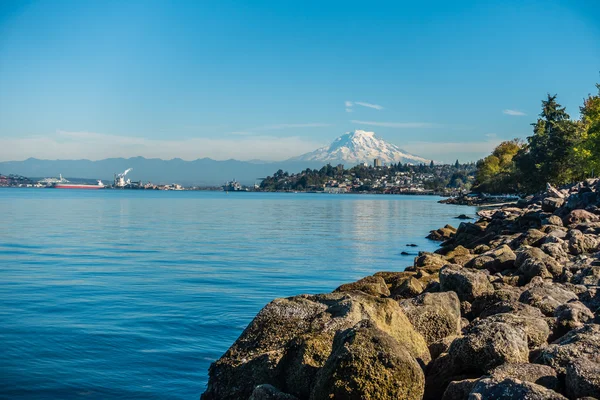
(550, 155)
(560, 151)
(495, 173)
(588, 152)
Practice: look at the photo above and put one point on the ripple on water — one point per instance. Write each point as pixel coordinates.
(132, 294)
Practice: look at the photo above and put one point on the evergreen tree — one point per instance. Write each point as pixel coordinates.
(549, 156)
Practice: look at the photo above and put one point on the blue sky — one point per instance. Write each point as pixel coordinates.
(273, 79)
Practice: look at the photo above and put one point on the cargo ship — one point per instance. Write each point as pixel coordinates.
(234, 186)
(99, 185)
(62, 183)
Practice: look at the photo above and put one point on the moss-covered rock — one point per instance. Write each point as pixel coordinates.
(367, 363)
(373, 285)
(290, 339)
(434, 315)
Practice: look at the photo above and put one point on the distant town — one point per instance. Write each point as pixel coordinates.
(443, 179)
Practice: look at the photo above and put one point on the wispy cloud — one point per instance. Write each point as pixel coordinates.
(96, 146)
(369, 105)
(396, 124)
(514, 113)
(348, 103)
(349, 110)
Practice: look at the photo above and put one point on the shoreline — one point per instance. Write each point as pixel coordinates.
(509, 303)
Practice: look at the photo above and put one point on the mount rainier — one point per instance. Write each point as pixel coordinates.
(359, 147)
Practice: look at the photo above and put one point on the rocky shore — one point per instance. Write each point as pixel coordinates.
(507, 308)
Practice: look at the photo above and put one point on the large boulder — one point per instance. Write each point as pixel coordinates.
(468, 235)
(487, 344)
(532, 262)
(496, 260)
(533, 237)
(511, 388)
(551, 204)
(290, 339)
(468, 284)
(442, 234)
(556, 251)
(576, 217)
(367, 363)
(430, 262)
(583, 379)
(547, 296)
(409, 288)
(583, 243)
(511, 307)
(589, 276)
(573, 315)
(536, 329)
(542, 375)
(580, 343)
(555, 220)
(434, 315)
(373, 285)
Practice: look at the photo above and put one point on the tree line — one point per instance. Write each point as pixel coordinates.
(454, 176)
(560, 151)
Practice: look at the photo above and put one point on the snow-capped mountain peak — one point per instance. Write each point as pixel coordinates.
(359, 147)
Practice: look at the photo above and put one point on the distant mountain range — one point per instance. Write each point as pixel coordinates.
(358, 147)
(349, 149)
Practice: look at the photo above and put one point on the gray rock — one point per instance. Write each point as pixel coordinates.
(573, 315)
(532, 237)
(547, 297)
(583, 379)
(580, 216)
(487, 344)
(468, 284)
(589, 276)
(533, 262)
(542, 375)
(536, 329)
(556, 251)
(584, 243)
(580, 343)
(434, 315)
(509, 389)
(513, 307)
(551, 204)
(496, 260)
(554, 220)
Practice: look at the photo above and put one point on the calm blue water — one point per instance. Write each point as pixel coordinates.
(131, 294)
